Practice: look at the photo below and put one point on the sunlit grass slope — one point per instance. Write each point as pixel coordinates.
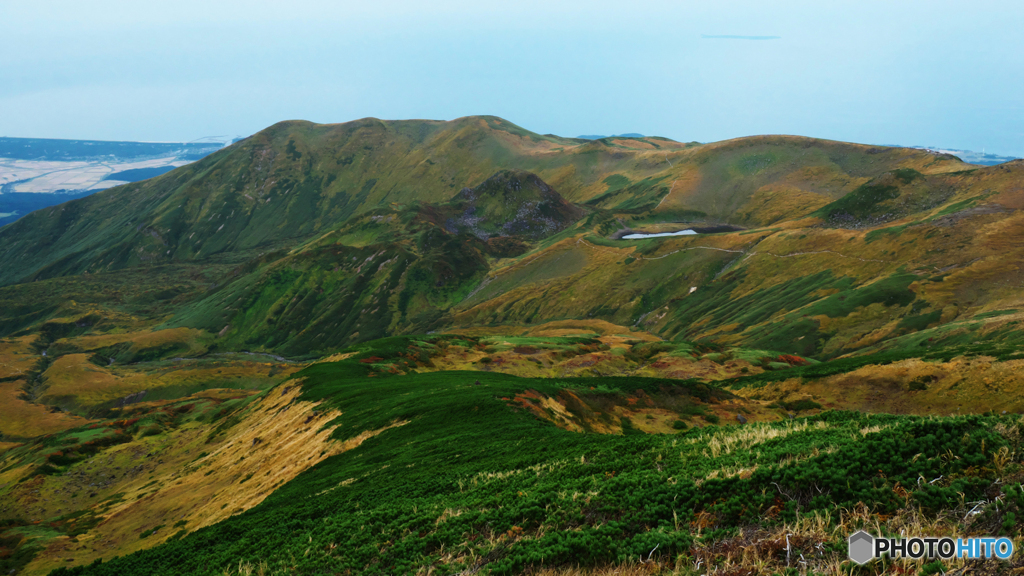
(470, 481)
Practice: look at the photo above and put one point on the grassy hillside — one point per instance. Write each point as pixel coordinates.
(534, 473)
(297, 179)
(417, 346)
(865, 244)
(349, 232)
(402, 486)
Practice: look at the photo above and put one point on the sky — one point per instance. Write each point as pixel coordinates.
(930, 73)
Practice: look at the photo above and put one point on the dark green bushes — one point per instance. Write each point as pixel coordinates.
(800, 405)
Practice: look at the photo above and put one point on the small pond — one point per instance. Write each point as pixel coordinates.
(639, 236)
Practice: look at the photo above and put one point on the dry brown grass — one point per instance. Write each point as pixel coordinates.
(549, 364)
(23, 419)
(17, 356)
(278, 438)
(74, 378)
(336, 357)
(962, 385)
(569, 411)
(5, 446)
(632, 143)
(746, 437)
(141, 340)
(804, 544)
(780, 201)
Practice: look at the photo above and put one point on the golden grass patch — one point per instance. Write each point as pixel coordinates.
(74, 378)
(652, 420)
(960, 386)
(771, 203)
(5, 446)
(745, 437)
(17, 356)
(278, 438)
(1012, 197)
(141, 340)
(549, 409)
(632, 143)
(682, 185)
(335, 358)
(22, 419)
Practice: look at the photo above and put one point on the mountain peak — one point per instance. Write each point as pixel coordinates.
(519, 183)
(512, 202)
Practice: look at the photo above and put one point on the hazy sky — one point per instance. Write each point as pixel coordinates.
(946, 74)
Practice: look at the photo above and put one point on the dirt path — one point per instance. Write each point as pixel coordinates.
(749, 254)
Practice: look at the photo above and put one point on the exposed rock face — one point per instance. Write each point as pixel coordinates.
(511, 203)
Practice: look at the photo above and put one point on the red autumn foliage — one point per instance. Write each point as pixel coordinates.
(793, 360)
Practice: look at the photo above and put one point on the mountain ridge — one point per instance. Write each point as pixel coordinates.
(199, 210)
(320, 262)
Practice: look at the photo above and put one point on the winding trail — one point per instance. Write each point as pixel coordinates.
(665, 197)
(494, 275)
(820, 252)
(749, 254)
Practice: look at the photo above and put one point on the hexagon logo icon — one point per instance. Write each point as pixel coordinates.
(861, 547)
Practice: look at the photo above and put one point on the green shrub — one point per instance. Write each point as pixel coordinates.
(920, 383)
(628, 429)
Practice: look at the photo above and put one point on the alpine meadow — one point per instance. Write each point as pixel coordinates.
(461, 347)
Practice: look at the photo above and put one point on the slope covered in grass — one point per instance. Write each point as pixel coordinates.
(499, 491)
(305, 238)
(295, 180)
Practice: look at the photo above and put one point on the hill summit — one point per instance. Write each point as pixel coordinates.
(511, 203)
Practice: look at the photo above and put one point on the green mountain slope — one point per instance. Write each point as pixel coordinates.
(295, 180)
(391, 271)
(308, 277)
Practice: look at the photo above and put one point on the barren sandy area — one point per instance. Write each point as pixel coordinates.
(49, 176)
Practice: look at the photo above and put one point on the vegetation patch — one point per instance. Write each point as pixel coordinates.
(546, 492)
